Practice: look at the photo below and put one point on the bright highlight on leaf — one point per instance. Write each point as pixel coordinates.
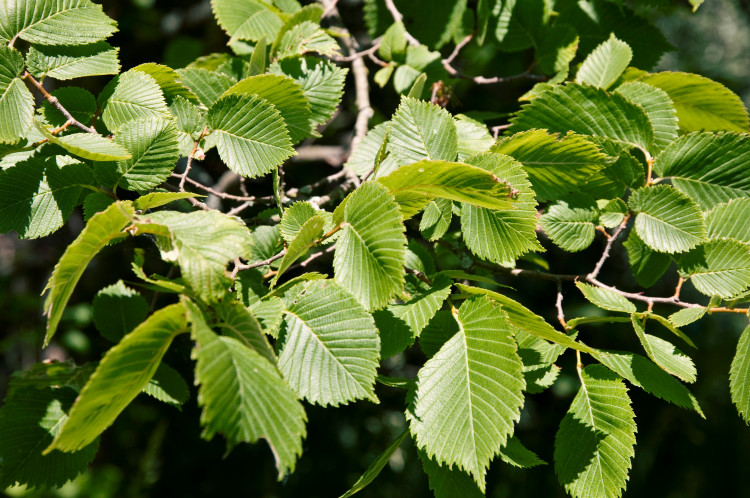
(605, 64)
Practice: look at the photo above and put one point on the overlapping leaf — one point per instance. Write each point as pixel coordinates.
(719, 266)
(710, 168)
(595, 442)
(420, 130)
(309, 233)
(605, 64)
(665, 354)
(169, 81)
(207, 85)
(659, 108)
(739, 376)
(135, 95)
(121, 375)
(647, 265)
(118, 310)
(667, 220)
(65, 63)
(504, 235)
(239, 322)
(16, 101)
(587, 111)
(246, 19)
(243, 396)
(90, 146)
(370, 254)
(306, 37)
(469, 395)
(729, 220)
(251, 142)
(605, 298)
(570, 223)
(330, 350)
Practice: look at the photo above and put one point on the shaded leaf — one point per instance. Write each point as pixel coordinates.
(16, 101)
(720, 266)
(570, 223)
(647, 265)
(606, 299)
(207, 85)
(66, 62)
(168, 386)
(118, 310)
(376, 466)
(665, 354)
(739, 376)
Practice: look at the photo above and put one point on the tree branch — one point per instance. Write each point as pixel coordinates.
(400, 18)
(56, 103)
(610, 242)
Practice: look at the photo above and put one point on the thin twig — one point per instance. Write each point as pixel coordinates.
(449, 60)
(330, 8)
(239, 266)
(558, 305)
(400, 18)
(56, 103)
(358, 55)
(677, 289)
(421, 276)
(595, 272)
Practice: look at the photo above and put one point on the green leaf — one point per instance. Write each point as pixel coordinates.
(711, 168)
(203, 243)
(269, 313)
(376, 466)
(667, 220)
(370, 254)
(739, 376)
(720, 266)
(191, 123)
(265, 243)
(135, 95)
(502, 236)
(55, 22)
(118, 310)
(246, 19)
(37, 196)
(68, 62)
(521, 317)
(153, 145)
(570, 223)
(611, 212)
(686, 316)
(329, 353)
(419, 310)
(286, 95)
(414, 185)
(95, 202)
(605, 298)
(158, 199)
(665, 354)
(80, 103)
(364, 157)
(240, 323)
(309, 233)
(433, 20)
(605, 64)
(587, 111)
(90, 146)
(16, 101)
(447, 482)
(647, 265)
(729, 220)
(517, 455)
(556, 165)
(52, 374)
(305, 38)
(436, 219)
(123, 372)
(701, 103)
(642, 373)
(243, 396)
(520, 23)
(420, 130)
(659, 109)
(473, 137)
(438, 330)
(594, 444)
(168, 386)
(321, 80)
(30, 418)
(250, 143)
(557, 48)
(169, 81)
(207, 85)
(476, 377)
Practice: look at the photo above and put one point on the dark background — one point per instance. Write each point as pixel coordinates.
(155, 450)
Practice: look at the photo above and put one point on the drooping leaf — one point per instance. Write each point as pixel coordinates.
(517, 455)
(739, 376)
(667, 220)
(370, 253)
(203, 243)
(686, 316)
(570, 223)
(605, 298)
(414, 185)
(118, 310)
(207, 85)
(286, 95)
(701, 103)
(90, 146)
(122, 373)
(153, 145)
(448, 482)
(252, 142)
(240, 323)
(169, 81)
(158, 199)
(710, 168)
(321, 80)
(605, 64)
(436, 219)
(16, 101)
(659, 108)
(557, 48)
(376, 466)
(420, 130)
(30, 418)
(476, 376)
(243, 396)
(594, 444)
(720, 266)
(729, 220)
(523, 318)
(135, 95)
(587, 111)
(647, 265)
(556, 165)
(643, 373)
(294, 217)
(168, 386)
(68, 62)
(330, 351)
(55, 22)
(364, 157)
(304, 38)
(665, 354)
(473, 137)
(503, 235)
(37, 196)
(308, 234)
(246, 19)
